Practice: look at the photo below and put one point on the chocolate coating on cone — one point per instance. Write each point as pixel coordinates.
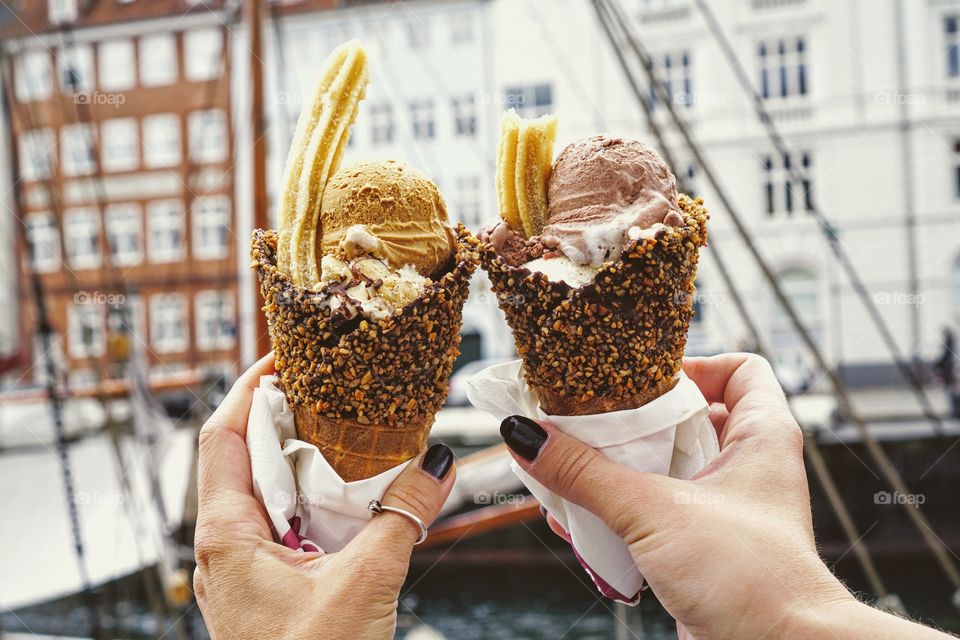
(365, 393)
(616, 343)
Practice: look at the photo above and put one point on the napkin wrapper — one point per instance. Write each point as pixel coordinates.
(671, 435)
(309, 505)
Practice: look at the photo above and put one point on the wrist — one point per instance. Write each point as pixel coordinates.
(822, 601)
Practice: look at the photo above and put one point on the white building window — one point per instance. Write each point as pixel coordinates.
(790, 359)
(161, 140)
(956, 168)
(468, 200)
(75, 68)
(216, 326)
(203, 54)
(82, 228)
(530, 101)
(381, 123)
(211, 227)
(165, 229)
(207, 131)
(421, 114)
(43, 243)
(800, 287)
(951, 33)
(85, 330)
(76, 150)
(37, 153)
(673, 72)
(461, 27)
(418, 32)
(119, 144)
(783, 68)
(34, 75)
(117, 65)
(124, 228)
(60, 11)
(168, 323)
(158, 60)
(465, 116)
(783, 193)
(955, 279)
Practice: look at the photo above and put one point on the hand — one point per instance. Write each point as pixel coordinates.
(730, 553)
(248, 586)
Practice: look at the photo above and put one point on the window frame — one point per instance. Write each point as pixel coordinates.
(175, 343)
(163, 254)
(71, 217)
(110, 218)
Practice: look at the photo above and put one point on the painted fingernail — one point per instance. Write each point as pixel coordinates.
(543, 511)
(523, 436)
(437, 461)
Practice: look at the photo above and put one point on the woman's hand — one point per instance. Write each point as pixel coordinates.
(730, 554)
(248, 586)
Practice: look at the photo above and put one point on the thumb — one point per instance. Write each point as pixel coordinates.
(421, 489)
(626, 500)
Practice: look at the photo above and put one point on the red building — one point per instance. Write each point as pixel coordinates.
(120, 120)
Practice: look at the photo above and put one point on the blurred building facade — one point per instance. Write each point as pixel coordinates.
(430, 103)
(867, 96)
(119, 120)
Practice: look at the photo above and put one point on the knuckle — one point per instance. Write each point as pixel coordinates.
(198, 586)
(407, 497)
(573, 466)
(208, 548)
(210, 436)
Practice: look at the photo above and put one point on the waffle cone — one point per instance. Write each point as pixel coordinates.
(616, 343)
(364, 393)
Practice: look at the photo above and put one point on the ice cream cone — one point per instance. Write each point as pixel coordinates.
(365, 393)
(617, 342)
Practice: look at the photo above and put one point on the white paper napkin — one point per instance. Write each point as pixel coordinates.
(671, 435)
(309, 505)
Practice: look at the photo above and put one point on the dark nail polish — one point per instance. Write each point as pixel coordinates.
(437, 461)
(523, 436)
(543, 512)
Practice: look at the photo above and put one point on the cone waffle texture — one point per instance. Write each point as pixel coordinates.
(365, 393)
(616, 343)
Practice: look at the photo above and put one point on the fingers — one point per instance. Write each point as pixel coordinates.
(746, 385)
(729, 377)
(421, 489)
(223, 464)
(573, 470)
(233, 411)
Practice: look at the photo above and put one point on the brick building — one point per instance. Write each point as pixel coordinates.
(119, 119)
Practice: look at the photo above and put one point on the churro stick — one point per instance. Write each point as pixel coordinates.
(322, 134)
(507, 169)
(524, 162)
(534, 163)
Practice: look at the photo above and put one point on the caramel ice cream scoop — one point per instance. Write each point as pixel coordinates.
(388, 210)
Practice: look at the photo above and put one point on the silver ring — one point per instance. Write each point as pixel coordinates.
(379, 508)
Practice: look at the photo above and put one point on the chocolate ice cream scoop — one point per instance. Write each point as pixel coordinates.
(604, 191)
